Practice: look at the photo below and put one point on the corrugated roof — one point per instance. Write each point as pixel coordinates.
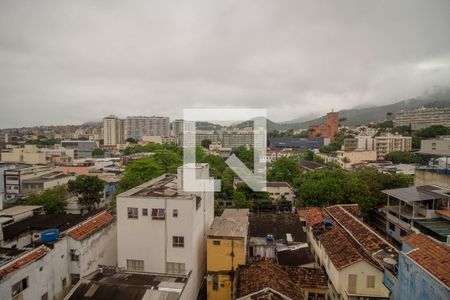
(416, 193)
(89, 227)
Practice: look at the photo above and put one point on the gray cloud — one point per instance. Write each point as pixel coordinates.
(65, 62)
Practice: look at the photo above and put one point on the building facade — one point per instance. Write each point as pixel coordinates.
(328, 129)
(423, 117)
(391, 142)
(113, 131)
(139, 126)
(226, 251)
(162, 229)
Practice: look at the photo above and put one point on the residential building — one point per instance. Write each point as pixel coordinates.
(423, 117)
(350, 144)
(265, 279)
(13, 179)
(353, 255)
(227, 243)
(415, 208)
(28, 154)
(423, 270)
(365, 142)
(273, 155)
(280, 191)
(44, 255)
(162, 228)
(437, 171)
(82, 148)
(328, 129)
(177, 127)
(158, 140)
(299, 144)
(269, 232)
(113, 131)
(19, 212)
(437, 146)
(347, 159)
(115, 284)
(388, 142)
(43, 182)
(4, 137)
(138, 126)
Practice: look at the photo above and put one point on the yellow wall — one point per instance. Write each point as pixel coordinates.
(220, 263)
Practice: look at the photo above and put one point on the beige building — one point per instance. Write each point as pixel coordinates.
(391, 142)
(28, 154)
(423, 117)
(347, 159)
(113, 131)
(437, 146)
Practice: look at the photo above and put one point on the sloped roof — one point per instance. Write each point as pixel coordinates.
(432, 256)
(265, 273)
(277, 225)
(89, 227)
(24, 260)
(312, 215)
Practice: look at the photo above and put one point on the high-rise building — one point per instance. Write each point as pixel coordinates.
(423, 117)
(177, 127)
(138, 126)
(113, 131)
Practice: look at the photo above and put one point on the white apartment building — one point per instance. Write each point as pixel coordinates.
(365, 142)
(162, 229)
(139, 126)
(177, 127)
(113, 131)
(391, 142)
(423, 117)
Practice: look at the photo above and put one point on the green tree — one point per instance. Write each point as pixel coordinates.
(241, 201)
(52, 200)
(433, 131)
(308, 155)
(205, 143)
(87, 188)
(400, 157)
(98, 152)
(284, 169)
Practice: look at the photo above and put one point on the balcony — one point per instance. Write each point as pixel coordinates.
(351, 296)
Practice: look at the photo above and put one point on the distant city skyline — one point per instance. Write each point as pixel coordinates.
(74, 62)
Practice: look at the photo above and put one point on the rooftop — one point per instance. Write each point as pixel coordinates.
(19, 209)
(418, 193)
(297, 256)
(312, 215)
(277, 225)
(277, 184)
(23, 260)
(91, 226)
(232, 223)
(47, 177)
(312, 165)
(42, 222)
(112, 285)
(430, 255)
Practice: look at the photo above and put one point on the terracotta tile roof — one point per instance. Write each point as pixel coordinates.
(89, 227)
(360, 231)
(431, 255)
(312, 215)
(353, 209)
(265, 273)
(24, 260)
(309, 277)
(445, 213)
(339, 248)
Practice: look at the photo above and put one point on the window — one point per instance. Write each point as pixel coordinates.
(198, 202)
(175, 268)
(215, 282)
(216, 243)
(74, 278)
(44, 297)
(20, 286)
(433, 146)
(158, 213)
(74, 256)
(370, 282)
(135, 265)
(352, 280)
(145, 211)
(391, 226)
(402, 232)
(132, 213)
(175, 213)
(178, 241)
(64, 282)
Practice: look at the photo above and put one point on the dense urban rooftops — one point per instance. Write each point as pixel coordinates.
(277, 225)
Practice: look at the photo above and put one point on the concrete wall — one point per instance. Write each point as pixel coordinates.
(415, 283)
(426, 177)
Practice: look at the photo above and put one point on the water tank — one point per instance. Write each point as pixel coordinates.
(269, 237)
(328, 223)
(49, 235)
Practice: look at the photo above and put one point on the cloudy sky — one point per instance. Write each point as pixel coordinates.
(67, 62)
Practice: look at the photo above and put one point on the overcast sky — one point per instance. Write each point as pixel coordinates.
(67, 62)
